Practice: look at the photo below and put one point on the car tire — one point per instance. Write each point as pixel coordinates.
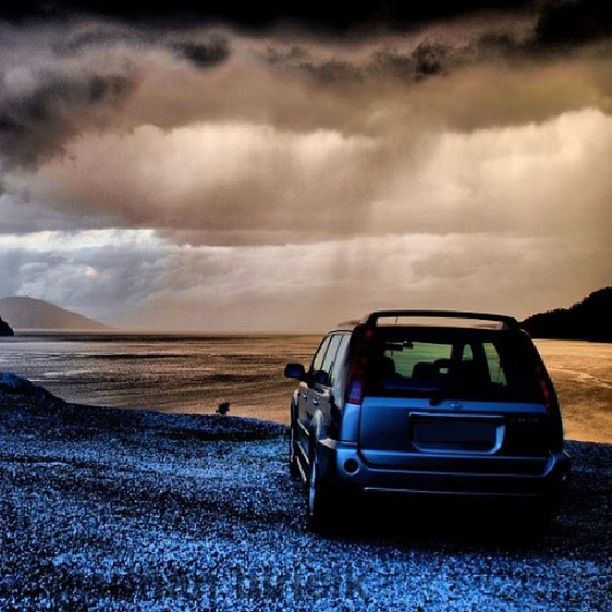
(319, 504)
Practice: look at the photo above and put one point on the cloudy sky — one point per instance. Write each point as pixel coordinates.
(287, 169)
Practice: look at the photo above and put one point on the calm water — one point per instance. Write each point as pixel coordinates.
(167, 373)
(196, 373)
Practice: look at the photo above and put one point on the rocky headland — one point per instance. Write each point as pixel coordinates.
(5, 328)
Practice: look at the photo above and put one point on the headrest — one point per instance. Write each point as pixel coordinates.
(424, 370)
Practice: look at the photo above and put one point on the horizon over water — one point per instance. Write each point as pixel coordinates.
(193, 372)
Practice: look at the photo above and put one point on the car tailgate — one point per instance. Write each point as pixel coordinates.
(409, 432)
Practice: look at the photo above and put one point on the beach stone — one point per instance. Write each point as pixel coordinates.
(15, 388)
(11, 383)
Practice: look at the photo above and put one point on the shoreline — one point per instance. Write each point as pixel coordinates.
(200, 419)
(40, 402)
(193, 376)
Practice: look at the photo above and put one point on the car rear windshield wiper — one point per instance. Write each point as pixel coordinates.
(438, 397)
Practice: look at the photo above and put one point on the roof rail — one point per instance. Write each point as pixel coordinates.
(347, 325)
(508, 321)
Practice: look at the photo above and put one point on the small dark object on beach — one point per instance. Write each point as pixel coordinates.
(223, 408)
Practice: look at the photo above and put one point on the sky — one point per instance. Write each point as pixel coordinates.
(286, 168)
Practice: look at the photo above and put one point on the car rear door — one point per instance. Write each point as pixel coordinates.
(319, 394)
(305, 391)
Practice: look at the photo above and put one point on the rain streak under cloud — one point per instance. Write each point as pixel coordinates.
(212, 178)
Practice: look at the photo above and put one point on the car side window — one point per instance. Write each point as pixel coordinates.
(317, 360)
(339, 359)
(330, 355)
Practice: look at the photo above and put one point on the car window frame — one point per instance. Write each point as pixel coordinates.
(323, 346)
(327, 352)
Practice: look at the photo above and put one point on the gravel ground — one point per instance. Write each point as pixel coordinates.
(102, 508)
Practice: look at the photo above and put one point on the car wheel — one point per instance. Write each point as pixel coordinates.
(319, 500)
(293, 460)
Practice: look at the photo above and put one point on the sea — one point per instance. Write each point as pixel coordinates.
(165, 372)
(194, 373)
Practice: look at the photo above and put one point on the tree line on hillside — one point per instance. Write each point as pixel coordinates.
(590, 319)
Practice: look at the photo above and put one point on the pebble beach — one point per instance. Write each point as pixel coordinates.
(110, 509)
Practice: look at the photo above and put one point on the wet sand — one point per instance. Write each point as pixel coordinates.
(582, 374)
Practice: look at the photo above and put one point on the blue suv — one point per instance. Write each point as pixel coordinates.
(426, 403)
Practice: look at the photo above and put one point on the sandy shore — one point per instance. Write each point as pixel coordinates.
(582, 374)
(106, 508)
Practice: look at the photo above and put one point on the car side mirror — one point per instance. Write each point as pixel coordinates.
(295, 370)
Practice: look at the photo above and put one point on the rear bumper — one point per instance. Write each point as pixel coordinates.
(444, 475)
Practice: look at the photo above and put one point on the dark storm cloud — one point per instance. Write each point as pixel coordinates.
(205, 55)
(70, 88)
(91, 36)
(35, 125)
(314, 15)
(238, 138)
(557, 24)
(58, 81)
(426, 60)
(574, 21)
(559, 21)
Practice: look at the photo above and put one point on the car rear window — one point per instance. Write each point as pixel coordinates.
(460, 363)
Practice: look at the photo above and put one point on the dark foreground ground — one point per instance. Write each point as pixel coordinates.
(101, 508)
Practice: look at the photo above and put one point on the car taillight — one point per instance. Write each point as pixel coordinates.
(362, 338)
(544, 388)
(552, 407)
(547, 391)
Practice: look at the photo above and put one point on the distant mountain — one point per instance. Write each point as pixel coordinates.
(590, 319)
(5, 329)
(28, 313)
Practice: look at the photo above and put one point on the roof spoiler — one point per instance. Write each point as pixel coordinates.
(508, 322)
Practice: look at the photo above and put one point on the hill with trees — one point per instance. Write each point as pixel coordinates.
(590, 319)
